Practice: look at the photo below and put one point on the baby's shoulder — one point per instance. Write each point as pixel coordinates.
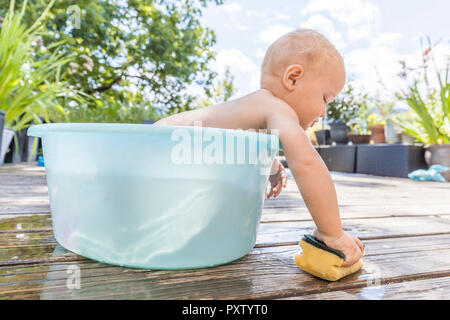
(277, 110)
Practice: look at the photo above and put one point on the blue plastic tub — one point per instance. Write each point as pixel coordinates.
(125, 194)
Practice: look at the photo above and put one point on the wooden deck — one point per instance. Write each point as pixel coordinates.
(404, 224)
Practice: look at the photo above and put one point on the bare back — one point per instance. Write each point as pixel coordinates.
(248, 112)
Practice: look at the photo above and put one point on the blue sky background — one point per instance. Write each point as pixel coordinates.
(368, 33)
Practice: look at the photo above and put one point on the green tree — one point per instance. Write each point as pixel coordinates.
(158, 47)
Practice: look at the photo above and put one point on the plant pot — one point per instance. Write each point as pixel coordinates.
(359, 138)
(7, 136)
(405, 139)
(377, 131)
(338, 132)
(438, 154)
(22, 151)
(339, 157)
(323, 136)
(390, 133)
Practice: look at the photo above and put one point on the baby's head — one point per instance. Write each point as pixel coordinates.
(306, 71)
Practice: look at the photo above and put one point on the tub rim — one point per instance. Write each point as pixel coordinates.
(39, 130)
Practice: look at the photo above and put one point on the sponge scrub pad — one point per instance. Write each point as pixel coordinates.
(321, 261)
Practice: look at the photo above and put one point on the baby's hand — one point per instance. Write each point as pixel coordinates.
(352, 247)
(278, 178)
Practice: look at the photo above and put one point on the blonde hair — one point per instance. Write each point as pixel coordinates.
(298, 46)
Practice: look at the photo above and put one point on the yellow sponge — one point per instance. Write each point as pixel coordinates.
(320, 260)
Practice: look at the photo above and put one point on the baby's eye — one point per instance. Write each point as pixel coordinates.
(324, 100)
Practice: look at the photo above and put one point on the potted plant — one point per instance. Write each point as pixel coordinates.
(386, 111)
(356, 136)
(431, 107)
(24, 102)
(408, 117)
(322, 134)
(359, 130)
(340, 112)
(376, 126)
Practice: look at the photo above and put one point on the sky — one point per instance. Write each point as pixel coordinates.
(371, 35)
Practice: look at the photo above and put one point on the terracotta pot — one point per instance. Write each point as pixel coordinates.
(377, 131)
(438, 154)
(359, 138)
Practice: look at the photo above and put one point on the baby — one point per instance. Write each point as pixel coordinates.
(301, 72)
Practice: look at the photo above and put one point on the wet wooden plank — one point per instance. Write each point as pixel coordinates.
(24, 192)
(14, 233)
(297, 213)
(20, 223)
(356, 212)
(264, 273)
(24, 209)
(428, 289)
(33, 249)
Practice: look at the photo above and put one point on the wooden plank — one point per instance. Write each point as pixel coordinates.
(20, 223)
(356, 212)
(275, 214)
(352, 180)
(286, 232)
(269, 234)
(36, 247)
(386, 195)
(267, 273)
(24, 209)
(429, 289)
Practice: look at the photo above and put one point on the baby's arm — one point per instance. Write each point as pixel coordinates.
(316, 187)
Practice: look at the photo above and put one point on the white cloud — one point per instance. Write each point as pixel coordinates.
(382, 54)
(282, 16)
(273, 32)
(246, 73)
(255, 13)
(349, 12)
(326, 27)
(234, 12)
(385, 40)
(363, 64)
(364, 31)
(232, 7)
(362, 17)
(379, 61)
(260, 52)
(237, 25)
(272, 18)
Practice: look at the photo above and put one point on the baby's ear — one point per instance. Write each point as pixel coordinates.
(291, 75)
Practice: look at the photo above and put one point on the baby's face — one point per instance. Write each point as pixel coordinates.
(316, 89)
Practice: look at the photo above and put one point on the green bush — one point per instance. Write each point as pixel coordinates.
(29, 86)
(430, 123)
